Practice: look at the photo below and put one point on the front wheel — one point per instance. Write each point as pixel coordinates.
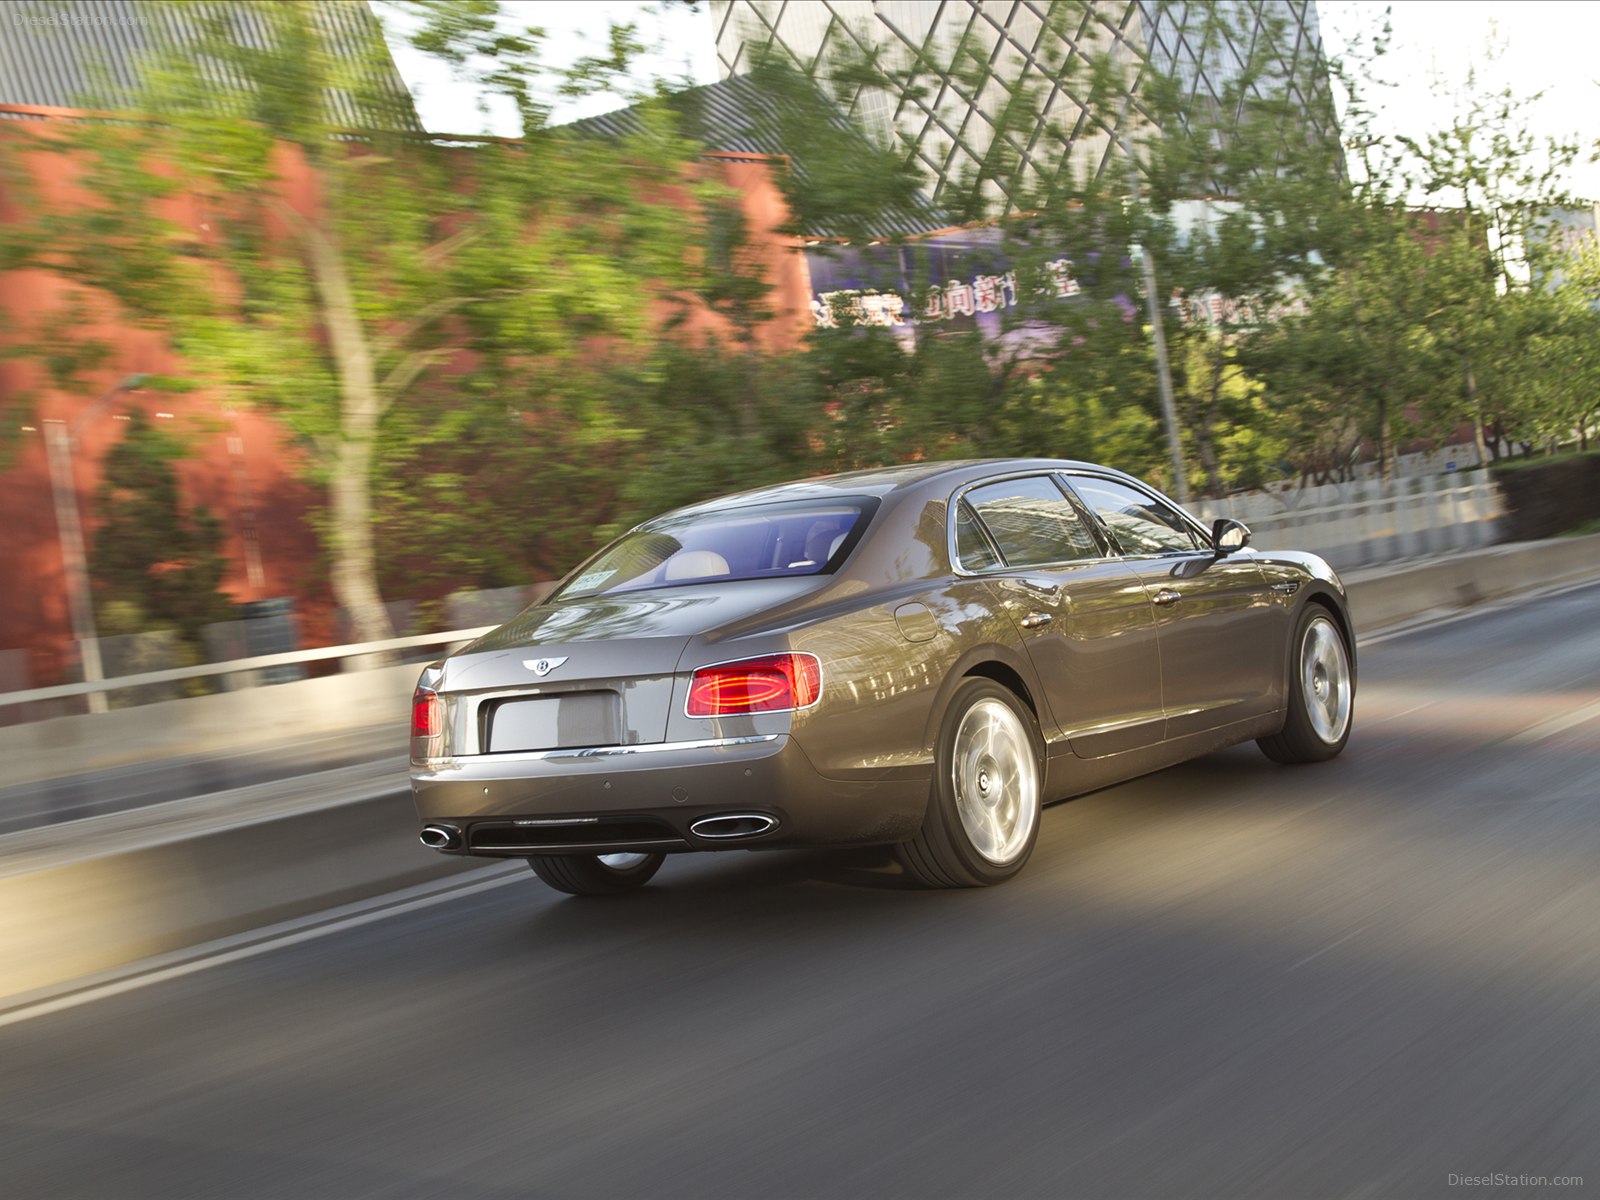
(983, 813)
(1322, 690)
(596, 874)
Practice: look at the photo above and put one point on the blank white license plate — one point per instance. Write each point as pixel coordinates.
(556, 722)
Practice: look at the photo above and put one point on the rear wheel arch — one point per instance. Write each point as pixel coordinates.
(991, 662)
(1008, 678)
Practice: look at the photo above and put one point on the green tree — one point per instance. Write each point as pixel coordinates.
(1450, 234)
(1083, 212)
(150, 550)
(277, 216)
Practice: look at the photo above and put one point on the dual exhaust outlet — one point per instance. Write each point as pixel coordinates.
(733, 826)
(719, 827)
(441, 837)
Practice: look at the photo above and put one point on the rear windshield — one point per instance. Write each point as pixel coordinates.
(759, 542)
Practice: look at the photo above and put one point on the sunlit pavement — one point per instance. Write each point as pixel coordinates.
(1229, 979)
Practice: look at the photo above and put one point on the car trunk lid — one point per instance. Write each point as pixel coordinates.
(597, 671)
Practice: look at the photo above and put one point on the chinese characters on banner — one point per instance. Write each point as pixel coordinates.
(1213, 309)
(960, 280)
(970, 287)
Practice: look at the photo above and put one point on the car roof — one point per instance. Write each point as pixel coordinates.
(883, 481)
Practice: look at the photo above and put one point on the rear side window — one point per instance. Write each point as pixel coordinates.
(1140, 523)
(1032, 523)
(757, 542)
(973, 550)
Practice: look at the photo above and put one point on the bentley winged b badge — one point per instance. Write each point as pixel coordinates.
(542, 666)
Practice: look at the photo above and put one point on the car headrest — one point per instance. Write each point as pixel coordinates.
(695, 564)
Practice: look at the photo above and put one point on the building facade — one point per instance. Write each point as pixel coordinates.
(973, 57)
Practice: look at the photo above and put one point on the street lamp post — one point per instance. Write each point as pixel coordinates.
(59, 439)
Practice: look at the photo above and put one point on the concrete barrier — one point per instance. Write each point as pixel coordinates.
(227, 721)
(1383, 596)
(97, 894)
(93, 895)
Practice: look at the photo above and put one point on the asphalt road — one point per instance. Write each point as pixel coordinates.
(1231, 979)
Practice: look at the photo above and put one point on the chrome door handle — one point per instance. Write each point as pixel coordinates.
(1036, 620)
(1166, 597)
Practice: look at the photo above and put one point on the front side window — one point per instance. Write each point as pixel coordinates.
(1032, 523)
(756, 542)
(1138, 521)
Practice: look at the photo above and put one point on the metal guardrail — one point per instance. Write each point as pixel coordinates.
(1366, 524)
(238, 665)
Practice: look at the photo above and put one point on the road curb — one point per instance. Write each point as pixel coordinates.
(94, 895)
(68, 910)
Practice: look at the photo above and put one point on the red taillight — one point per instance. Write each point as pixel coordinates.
(771, 683)
(426, 719)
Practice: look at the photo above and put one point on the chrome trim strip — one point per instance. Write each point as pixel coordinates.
(1109, 726)
(1113, 726)
(1004, 570)
(1067, 474)
(664, 843)
(457, 761)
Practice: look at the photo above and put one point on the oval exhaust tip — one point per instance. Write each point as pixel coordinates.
(731, 826)
(440, 837)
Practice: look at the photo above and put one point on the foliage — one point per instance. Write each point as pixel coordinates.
(486, 351)
(360, 283)
(154, 564)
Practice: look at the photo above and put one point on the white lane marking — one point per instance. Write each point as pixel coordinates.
(273, 937)
(1337, 942)
(1545, 730)
(1371, 721)
(305, 929)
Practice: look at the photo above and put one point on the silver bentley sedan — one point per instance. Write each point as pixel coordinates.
(922, 656)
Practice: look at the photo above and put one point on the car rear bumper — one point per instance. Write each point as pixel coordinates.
(650, 797)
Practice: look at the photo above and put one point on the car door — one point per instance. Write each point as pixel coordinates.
(1085, 617)
(1221, 655)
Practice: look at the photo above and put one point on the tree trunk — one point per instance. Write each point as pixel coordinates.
(1385, 448)
(1470, 385)
(1205, 444)
(355, 579)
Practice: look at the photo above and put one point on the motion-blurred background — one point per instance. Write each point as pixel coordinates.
(287, 366)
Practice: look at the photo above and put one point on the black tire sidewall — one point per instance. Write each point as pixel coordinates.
(586, 875)
(1298, 735)
(943, 817)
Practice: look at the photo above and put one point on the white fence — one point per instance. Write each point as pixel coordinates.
(1368, 522)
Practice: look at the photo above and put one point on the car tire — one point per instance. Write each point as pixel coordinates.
(984, 808)
(1321, 690)
(596, 874)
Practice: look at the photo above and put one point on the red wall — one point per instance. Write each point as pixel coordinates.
(242, 465)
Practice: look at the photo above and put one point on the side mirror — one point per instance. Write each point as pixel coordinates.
(1228, 535)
